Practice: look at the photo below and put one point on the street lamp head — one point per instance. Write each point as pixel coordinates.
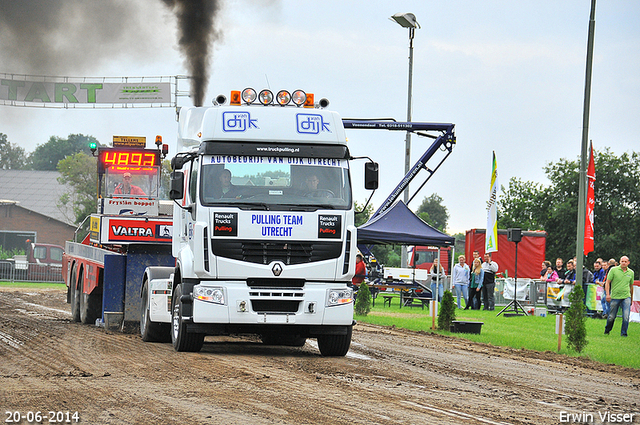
(406, 20)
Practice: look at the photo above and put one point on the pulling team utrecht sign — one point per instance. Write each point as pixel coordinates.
(83, 93)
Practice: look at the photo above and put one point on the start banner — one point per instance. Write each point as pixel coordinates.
(60, 91)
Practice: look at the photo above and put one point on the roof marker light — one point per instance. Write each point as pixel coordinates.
(284, 97)
(249, 96)
(299, 97)
(266, 97)
(235, 97)
(309, 103)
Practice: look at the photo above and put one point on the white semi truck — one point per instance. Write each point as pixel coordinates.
(263, 226)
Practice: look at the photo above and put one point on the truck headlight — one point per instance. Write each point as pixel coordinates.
(339, 296)
(209, 294)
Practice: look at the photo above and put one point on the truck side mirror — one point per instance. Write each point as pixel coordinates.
(177, 185)
(371, 175)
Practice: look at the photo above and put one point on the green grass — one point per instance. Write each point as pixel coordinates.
(35, 285)
(528, 332)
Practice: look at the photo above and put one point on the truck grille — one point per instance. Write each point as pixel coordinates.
(275, 306)
(267, 252)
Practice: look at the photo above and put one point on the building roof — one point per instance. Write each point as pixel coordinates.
(37, 191)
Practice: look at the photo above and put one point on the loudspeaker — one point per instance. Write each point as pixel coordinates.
(514, 235)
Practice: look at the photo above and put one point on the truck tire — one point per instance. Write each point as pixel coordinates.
(151, 331)
(75, 297)
(90, 304)
(181, 339)
(335, 345)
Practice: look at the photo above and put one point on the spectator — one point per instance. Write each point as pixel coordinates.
(489, 283)
(361, 271)
(437, 280)
(599, 277)
(545, 265)
(570, 274)
(550, 274)
(476, 254)
(619, 289)
(460, 279)
(475, 285)
(560, 270)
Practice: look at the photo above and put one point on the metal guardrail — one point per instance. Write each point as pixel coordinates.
(19, 271)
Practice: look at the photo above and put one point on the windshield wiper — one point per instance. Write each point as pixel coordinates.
(250, 205)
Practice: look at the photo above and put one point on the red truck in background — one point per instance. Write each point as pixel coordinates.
(41, 263)
(531, 251)
(421, 257)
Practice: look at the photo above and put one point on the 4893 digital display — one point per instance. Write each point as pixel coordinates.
(129, 157)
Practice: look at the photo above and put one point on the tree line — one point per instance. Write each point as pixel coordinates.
(554, 207)
(524, 204)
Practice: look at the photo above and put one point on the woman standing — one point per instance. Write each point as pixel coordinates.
(475, 285)
(460, 279)
(437, 273)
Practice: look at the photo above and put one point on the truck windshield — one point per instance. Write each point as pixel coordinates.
(281, 181)
(132, 182)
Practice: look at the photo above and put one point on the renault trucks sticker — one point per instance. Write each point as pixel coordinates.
(311, 124)
(329, 226)
(225, 224)
(238, 122)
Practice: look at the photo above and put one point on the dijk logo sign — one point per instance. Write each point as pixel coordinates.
(311, 124)
(238, 122)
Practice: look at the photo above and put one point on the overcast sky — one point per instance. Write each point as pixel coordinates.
(509, 74)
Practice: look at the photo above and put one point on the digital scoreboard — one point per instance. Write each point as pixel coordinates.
(128, 159)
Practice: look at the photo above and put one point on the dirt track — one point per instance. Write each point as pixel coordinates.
(49, 363)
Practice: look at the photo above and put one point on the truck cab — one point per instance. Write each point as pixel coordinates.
(263, 231)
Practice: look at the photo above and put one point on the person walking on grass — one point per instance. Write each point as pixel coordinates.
(619, 291)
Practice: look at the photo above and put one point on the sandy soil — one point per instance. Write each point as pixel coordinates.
(50, 364)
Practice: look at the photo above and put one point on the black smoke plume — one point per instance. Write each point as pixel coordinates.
(196, 20)
(57, 37)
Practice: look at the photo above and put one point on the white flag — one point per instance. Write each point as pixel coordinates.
(491, 237)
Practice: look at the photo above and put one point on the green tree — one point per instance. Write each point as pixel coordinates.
(553, 208)
(46, 156)
(447, 313)
(522, 205)
(363, 300)
(12, 157)
(433, 212)
(78, 171)
(364, 216)
(576, 328)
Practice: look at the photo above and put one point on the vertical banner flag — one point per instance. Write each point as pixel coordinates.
(588, 223)
(491, 237)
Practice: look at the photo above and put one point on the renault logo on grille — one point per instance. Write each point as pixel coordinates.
(277, 269)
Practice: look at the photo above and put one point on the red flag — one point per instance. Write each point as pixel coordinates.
(591, 200)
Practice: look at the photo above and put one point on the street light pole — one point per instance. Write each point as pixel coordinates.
(407, 20)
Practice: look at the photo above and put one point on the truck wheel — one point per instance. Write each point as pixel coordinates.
(151, 331)
(75, 297)
(335, 345)
(181, 339)
(90, 304)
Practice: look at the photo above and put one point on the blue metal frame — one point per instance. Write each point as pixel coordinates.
(445, 139)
